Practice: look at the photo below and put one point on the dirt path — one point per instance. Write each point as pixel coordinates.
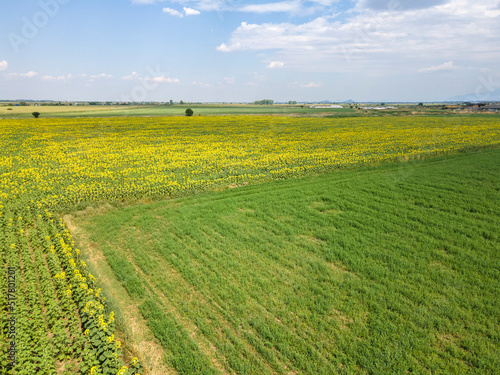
(139, 339)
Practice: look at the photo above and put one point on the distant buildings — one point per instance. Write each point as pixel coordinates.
(380, 108)
(492, 107)
(489, 107)
(326, 106)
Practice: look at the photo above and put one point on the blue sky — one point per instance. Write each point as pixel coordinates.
(232, 50)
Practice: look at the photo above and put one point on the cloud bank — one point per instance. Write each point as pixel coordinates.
(406, 38)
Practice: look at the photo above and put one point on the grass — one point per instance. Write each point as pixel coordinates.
(86, 111)
(389, 269)
(12, 112)
(25, 112)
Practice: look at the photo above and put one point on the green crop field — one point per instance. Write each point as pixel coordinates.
(356, 271)
(52, 111)
(9, 111)
(392, 269)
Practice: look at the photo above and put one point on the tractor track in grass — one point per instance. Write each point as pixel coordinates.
(206, 346)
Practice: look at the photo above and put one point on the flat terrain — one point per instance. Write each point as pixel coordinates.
(80, 161)
(13, 112)
(355, 110)
(389, 269)
(375, 270)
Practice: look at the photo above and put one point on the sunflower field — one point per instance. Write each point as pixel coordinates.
(52, 311)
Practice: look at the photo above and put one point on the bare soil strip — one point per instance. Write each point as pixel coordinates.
(140, 341)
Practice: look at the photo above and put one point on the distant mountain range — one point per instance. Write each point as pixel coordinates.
(489, 96)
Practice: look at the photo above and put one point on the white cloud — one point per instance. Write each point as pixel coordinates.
(380, 41)
(150, 78)
(399, 5)
(163, 79)
(283, 6)
(29, 74)
(102, 75)
(173, 12)
(3, 65)
(57, 78)
(234, 46)
(288, 6)
(132, 75)
(325, 2)
(191, 12)
(185, 12)
(211, 5)
(279, 36)
(276, 64)
(445, 66)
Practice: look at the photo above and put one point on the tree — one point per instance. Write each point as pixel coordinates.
(264, 102)
(189, 112)
(36, 114)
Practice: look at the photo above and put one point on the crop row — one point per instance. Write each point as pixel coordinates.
(52, 312)
(64, 163)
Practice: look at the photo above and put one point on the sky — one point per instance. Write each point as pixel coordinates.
(241, 51)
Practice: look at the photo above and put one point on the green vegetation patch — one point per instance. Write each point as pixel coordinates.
(82, 111)
(381, 270)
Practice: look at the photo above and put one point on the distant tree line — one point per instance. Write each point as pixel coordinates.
(264, 102)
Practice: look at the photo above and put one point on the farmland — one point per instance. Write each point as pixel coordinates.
(65, 162)
(55, 315)
(65, 111)
(10, 111)
(392, 269)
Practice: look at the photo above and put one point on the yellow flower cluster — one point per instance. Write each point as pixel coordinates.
(61, 275)
(102, 324)
(68, 161)
(94, 307)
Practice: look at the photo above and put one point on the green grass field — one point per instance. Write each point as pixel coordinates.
(11, 112)
(86, 111)
(381, 270)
